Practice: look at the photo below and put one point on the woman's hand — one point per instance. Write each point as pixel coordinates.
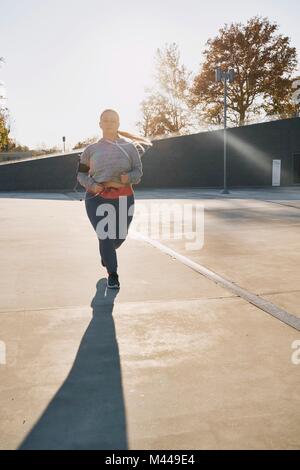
(97, 187)
(115, 184)
(124, 178)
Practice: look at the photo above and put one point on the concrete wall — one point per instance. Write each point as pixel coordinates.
(40, 173)
(197, 160)
(10, 156)
(187, 161)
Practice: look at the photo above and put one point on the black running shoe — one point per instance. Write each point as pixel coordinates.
(113, 281)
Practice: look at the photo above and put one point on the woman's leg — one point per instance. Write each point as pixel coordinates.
(108, 245)
(130, 212)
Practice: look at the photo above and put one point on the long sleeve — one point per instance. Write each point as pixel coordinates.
(84, 179)
(136, 173)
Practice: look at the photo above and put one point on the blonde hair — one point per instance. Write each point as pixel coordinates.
(129, 135)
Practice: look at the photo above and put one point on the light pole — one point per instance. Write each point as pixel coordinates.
(224, 75)
(64, 142)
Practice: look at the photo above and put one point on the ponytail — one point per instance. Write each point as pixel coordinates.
(135, 138)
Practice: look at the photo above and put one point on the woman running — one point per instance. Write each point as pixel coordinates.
(107, 170)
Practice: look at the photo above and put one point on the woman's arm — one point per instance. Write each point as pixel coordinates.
(83, 176)
(134, 176)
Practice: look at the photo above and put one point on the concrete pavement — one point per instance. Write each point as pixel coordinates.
(172, 360)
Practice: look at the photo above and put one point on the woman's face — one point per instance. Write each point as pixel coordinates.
(109, 122)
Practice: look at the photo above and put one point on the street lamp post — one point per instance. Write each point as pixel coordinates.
(224, 75)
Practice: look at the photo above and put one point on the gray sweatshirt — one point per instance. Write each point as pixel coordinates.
(107, 161)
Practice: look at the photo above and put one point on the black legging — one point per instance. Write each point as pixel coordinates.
(109, 244)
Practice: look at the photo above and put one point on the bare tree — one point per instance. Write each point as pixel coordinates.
(165, 110)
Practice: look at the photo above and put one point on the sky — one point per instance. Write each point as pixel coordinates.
(68, 60)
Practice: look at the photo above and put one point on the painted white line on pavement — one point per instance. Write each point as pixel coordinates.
(254, 299)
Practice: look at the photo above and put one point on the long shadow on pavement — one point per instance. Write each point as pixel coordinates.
(88, 410)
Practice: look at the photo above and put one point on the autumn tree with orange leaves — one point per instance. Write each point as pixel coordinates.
(264, 62)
